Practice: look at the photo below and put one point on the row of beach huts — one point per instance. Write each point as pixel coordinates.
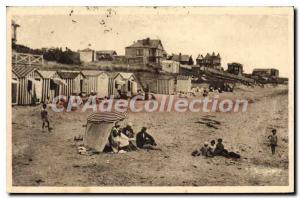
(30, 83)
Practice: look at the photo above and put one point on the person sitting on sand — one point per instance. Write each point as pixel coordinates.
(205, 151)
(144, 140)
(128, 131)
(114, 138)
(118, 141)
(44, 116)
(212, 145)
(221, 151)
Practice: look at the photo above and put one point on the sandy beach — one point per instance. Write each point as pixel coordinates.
(41, 158)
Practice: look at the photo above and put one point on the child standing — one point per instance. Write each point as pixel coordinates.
(44, 116)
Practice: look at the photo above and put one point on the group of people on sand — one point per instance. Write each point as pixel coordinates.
(123, 140)
(215, 149)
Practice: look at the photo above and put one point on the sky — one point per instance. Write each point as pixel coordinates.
(255, 40)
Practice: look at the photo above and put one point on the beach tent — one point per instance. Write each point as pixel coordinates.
(98, 128)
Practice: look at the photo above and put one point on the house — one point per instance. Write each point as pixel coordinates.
(74, 82)
(235, 68)
(209, 61)
(87, 55)
(182, 59)
(183, 83)
(105, 55)
(14, 88)
(51, 85)
(124, 83)
(170, 66)
(145, 51)
(24, 77)
(97, 82)
(266, 72)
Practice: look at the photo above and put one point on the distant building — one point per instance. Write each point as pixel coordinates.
(105, 55)
(87, 55)
(170, 66)
(14, 27)
(145, 51)
(209, 61)
(182, 59)
(265, 72)
(235, 68)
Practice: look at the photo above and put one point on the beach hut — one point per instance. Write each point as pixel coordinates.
(14, 88)
(27, 84)
(165, 85)
(74, 82)
(183, 83)
(51, 85)
(96, 81)
(125, 83)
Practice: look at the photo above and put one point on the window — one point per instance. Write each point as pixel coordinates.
(139, 52)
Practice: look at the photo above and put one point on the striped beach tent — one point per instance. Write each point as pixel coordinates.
(98, 128)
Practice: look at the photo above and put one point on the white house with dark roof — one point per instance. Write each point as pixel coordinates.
(146, 51)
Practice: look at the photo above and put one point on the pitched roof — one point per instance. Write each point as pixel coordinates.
(200, 56)
(112, 74)
(126, 75)
(185, 58)
(91, 72)
(22, 70)
(146, 43)
(47, 74)
(68, 74)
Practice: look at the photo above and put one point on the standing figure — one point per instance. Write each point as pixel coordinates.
(44, 116)
(273, 140)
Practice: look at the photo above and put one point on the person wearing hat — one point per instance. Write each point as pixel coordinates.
(206, 150)
(221, 151)
(144, 139)
(114, 137)
(273, 140)
(128, 131)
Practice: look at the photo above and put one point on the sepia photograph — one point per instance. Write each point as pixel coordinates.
(150, 99)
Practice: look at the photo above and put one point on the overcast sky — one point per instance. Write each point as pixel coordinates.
(255, 40)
